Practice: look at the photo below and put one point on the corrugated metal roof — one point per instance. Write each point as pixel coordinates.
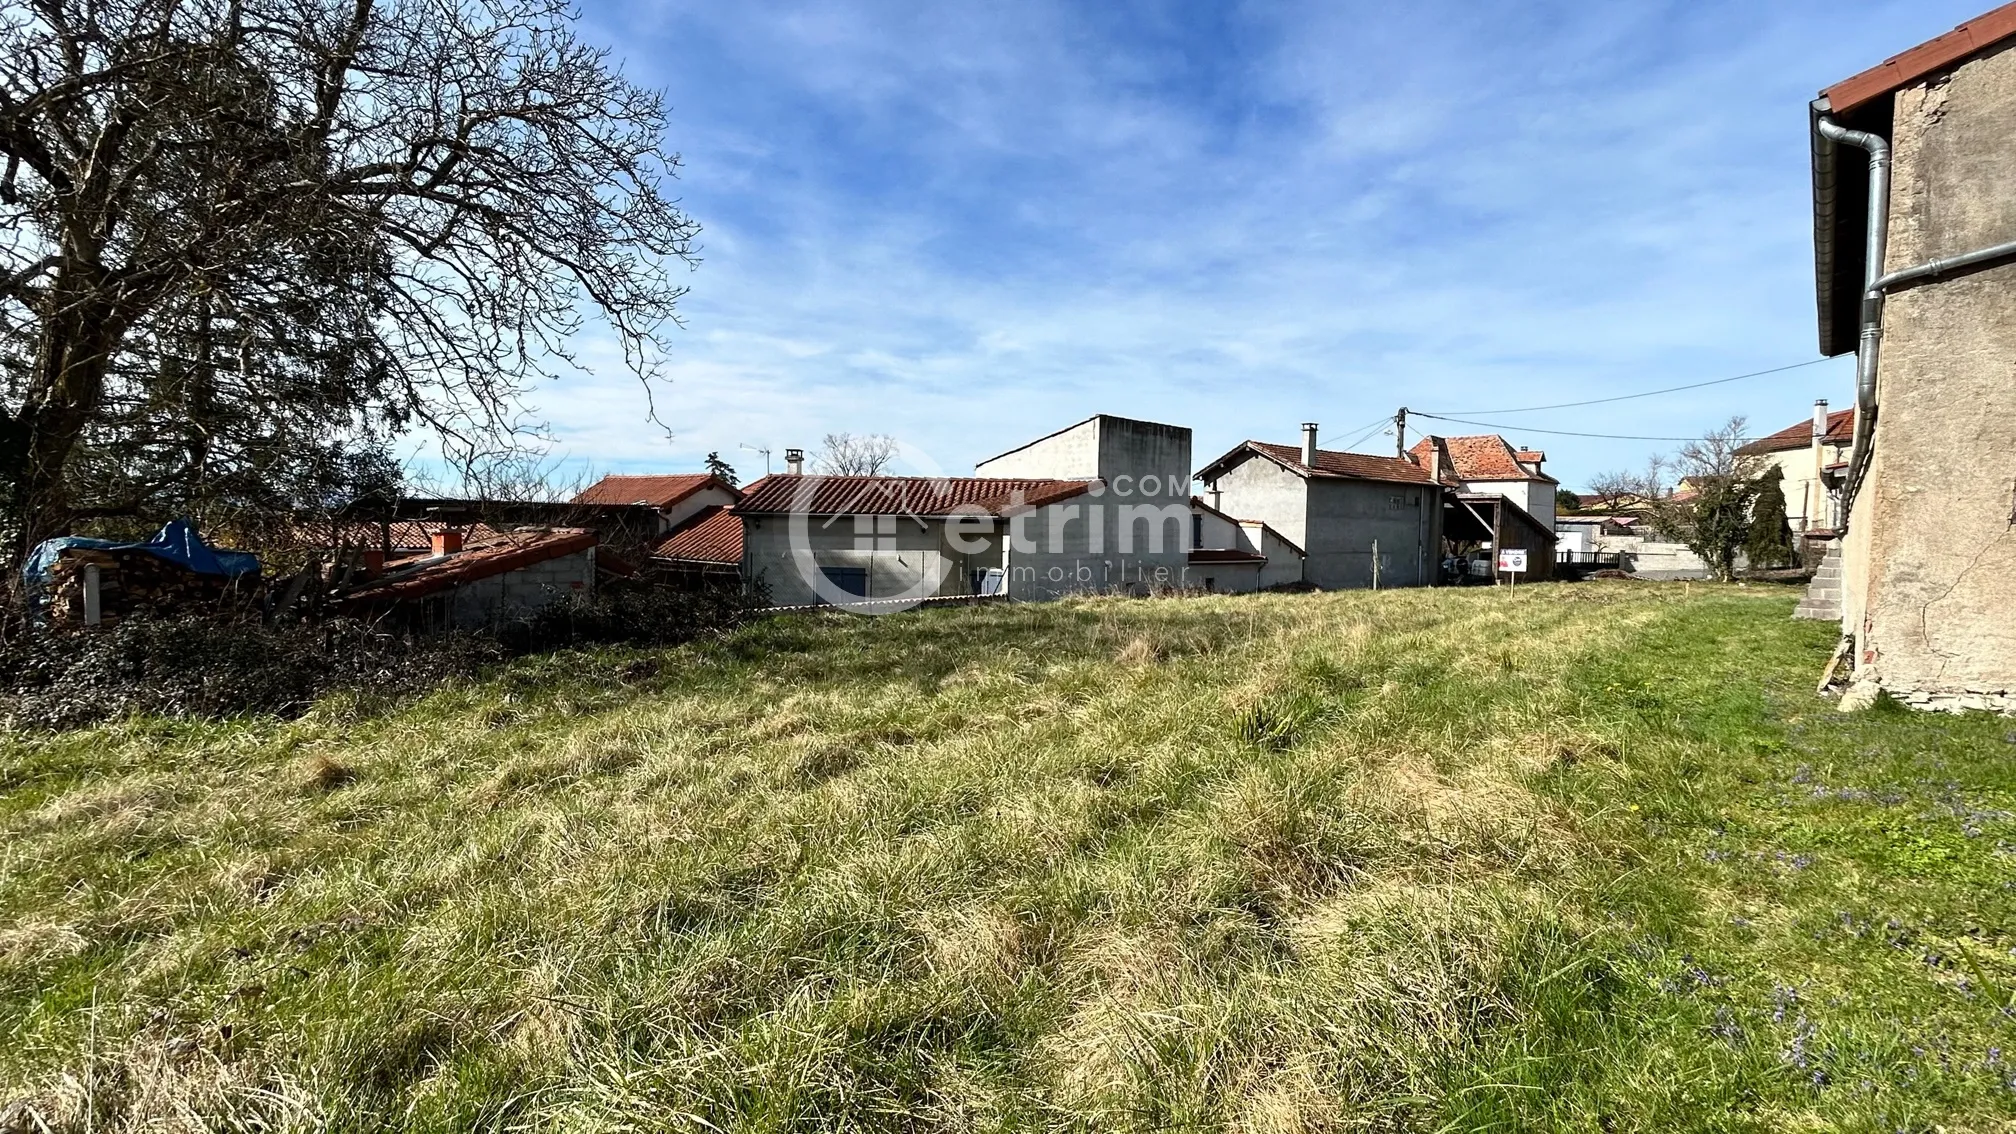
(901, 495)
(714, 535)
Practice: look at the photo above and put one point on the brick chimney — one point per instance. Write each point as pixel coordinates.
(794, 462)
(1435, 459)
(373, 562)
(447, 541)
(1309, 443)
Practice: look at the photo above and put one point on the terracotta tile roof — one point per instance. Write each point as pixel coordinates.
(1935, 55)
(1485, 456)
(1840, 431)
(1225, 555)
(1329, 463)
(425, 575)
(713, 535)
(652, 491)
(901, 495)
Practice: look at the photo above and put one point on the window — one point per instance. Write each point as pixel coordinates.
(1196, 529)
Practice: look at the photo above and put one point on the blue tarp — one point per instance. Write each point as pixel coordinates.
(176, 542)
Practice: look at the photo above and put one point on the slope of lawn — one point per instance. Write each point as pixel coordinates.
(1580, 857)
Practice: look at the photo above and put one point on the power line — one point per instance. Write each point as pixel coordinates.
(1559, 432)
(1645, 394)
(1359, 438)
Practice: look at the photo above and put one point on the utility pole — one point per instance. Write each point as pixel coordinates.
(1400, 433)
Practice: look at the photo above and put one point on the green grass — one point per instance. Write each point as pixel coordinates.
(1585, 857)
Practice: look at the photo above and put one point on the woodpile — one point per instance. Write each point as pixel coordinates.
(130, 580)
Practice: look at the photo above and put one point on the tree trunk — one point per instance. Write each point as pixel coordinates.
(75, 354)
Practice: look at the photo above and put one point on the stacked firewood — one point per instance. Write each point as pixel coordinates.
(130, 580)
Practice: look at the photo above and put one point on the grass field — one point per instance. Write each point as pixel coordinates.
(1583, 857)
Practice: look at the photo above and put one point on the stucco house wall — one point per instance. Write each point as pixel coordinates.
(909, 552)
(1262, 490)
(485, 602)
(1930, 561)
(1132, 532)
(686, 509)
(1347, 517)
(1535, 496)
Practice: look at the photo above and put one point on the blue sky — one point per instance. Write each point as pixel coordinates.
(967, 224)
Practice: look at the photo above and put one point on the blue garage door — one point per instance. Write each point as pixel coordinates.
(853, 580)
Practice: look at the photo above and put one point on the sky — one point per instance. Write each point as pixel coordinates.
(968, 224)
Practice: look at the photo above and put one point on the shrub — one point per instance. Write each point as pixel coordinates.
(629, 613)
(196, 666)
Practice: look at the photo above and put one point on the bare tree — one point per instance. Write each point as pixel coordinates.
(233, 231)
(1711, 514)
(843, 454)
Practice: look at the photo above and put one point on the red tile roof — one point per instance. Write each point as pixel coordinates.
(714, 535)
(901, 495)
(1933, 56)
(1329, 463)
(1485, 456)
(652, 491)
(1840, 431)
(419, 577)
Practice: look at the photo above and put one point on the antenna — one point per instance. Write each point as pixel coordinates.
(766, 456)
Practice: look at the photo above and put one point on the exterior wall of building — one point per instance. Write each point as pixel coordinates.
(909, 557)
(514, 594)
(1930, 566)
(1284, 563)
(1259, 489)
(1807, 508)
(1227, 578)
(1347, 517)
(1071, 453)
(1536, 496)
(705, 498)
(1132, 534)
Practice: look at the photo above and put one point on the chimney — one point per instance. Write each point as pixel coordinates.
(794, 462)
(374, 562)
(447, 541)
(1435, 459)
(1309, 443)
(1819, 420)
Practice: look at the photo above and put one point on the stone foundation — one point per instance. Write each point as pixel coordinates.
(1959, 701)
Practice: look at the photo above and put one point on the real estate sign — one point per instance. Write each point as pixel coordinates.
(1512, 559)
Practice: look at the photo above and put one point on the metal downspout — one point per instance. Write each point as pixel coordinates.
(1869, 347)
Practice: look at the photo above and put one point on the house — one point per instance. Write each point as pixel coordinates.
(1813, 456)
(1487, 465)
(1914, 220)
(480, 585)
(1136, 527)
(1236, 556)
(675, 498)
(900, 540)
(1359, 520)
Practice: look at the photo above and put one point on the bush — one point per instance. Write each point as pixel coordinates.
(629, 613)
(196, 666)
